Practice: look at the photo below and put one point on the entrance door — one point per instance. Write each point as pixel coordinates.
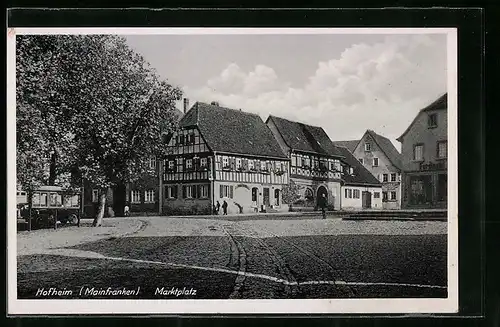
(266, 197)
(321, 190)
(366, 198)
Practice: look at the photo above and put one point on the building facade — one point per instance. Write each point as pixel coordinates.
(222, 155)
(424, 158)
(315, 162)
(383, 160)
(360, 189)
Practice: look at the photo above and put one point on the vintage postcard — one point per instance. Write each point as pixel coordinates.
(232, 171)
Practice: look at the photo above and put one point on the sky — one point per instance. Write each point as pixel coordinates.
(345, 83)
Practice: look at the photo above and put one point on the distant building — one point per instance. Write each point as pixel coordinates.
(360, 189)
(315, 161)
(424, 158)
(383, 160)
(220, 154)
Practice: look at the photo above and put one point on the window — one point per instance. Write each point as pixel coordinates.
(418, 152)
(225, 162)
(350, 193)
(299, 161)
(238, 163)
(43, 199)
(95, 195)
(356, 194)
(149, 196)
(385, 178)
(152, 163)
(376, 195)
(203, 191)
(308, 194)
(179, 165)
(432, 120)
(135, 196)
(277, 197)
(393, 195)
(294, 160)
(375, 162)
(226, 191)
(442, 149)
(254, 194)
(251, 165)
(393, 177)
(203, 162)
(55, 200)
(180, 139)
(420, 189)
(171, 165)
(361, 160)
(189, 164)
(384, 196)
(351, 171)
(263, 165)
(188, 192)
(368, 147)
(171, 192)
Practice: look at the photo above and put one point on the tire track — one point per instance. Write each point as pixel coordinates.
(291, 287)
(308, 254)
(238, 255)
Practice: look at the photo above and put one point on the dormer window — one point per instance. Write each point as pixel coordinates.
(368, 147)
(432, 120)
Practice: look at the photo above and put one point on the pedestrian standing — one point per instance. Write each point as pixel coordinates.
(126, 210)
(322, 204)
(217, 208)
(224, 207)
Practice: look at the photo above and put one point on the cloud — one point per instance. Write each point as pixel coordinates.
(378, 86)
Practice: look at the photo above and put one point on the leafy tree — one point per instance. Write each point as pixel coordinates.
(291, 193)
(100, 109)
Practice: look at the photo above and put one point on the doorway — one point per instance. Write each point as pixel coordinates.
(321, 190)
(366, 198)
(266, 197)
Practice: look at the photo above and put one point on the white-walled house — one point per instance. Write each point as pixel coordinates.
(360, 189)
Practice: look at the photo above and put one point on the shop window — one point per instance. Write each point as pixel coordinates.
(420, 190)
(442, 189)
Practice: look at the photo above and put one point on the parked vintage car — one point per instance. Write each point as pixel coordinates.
(51, 206)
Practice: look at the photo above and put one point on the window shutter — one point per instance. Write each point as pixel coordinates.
(221, 191)
(231, 191)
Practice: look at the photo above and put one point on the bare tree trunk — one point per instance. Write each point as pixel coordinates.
(52, 169)
(100, 215)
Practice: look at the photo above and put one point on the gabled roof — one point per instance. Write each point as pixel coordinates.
(302, 137)
(440, 104)
(350, 145)
(232, 131)
(361, 176)
(385, 145)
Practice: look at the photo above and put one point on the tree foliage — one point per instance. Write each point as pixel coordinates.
(89, 105)
(291, 192)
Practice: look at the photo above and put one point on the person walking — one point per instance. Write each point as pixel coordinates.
(217, 208)
(224, 207)
(322, 204)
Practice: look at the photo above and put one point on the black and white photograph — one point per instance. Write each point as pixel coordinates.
(232, 170)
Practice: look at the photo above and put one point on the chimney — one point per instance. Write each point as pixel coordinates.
(214, 103)
(186, 104)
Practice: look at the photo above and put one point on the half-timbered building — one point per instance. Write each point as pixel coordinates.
(315, 161)
(220, 154)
